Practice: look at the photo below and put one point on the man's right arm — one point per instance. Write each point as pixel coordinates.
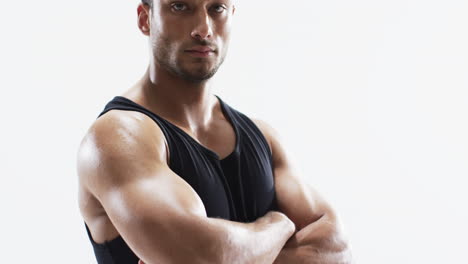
(122, 162)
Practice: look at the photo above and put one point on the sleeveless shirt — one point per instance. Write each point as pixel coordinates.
(238, 188)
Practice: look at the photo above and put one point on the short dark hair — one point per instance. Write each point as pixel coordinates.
(148, 2)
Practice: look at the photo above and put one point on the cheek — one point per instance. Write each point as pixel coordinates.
(166, 42)
(168, 47)
(223, 33)
(167, 27)
(172, 26)
(223, 42)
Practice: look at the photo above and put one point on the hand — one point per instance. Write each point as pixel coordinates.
(318, 253)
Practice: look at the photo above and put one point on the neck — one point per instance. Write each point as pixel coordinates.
(187, 104)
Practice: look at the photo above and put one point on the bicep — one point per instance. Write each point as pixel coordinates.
(151, 207)
(297, 199)
(152, 214)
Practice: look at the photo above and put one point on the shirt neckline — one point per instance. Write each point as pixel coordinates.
(227, 114)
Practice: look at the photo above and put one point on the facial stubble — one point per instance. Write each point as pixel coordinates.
(171, 62)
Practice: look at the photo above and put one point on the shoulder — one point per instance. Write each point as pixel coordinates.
(264, 127)
(268, 132)
(120, 133)
(274, 140)
(118, 141)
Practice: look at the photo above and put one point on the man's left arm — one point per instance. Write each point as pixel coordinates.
(319, 238)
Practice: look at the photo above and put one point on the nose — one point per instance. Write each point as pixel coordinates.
(203, 27)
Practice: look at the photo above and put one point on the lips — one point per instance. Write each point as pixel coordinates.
(202, 49)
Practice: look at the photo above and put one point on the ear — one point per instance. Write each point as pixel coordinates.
(144, 18)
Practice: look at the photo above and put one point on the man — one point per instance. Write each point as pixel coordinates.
(169, 173)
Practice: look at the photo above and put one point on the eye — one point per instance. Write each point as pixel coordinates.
(179, 6)
(219, 8)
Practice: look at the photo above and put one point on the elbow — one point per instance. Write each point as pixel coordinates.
(336, 240)
(341, 248)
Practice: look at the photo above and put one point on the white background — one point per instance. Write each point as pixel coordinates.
(370, 97)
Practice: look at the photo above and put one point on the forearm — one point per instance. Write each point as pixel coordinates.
(319, 242)
(222, 241)
(257, 242)
(325, 232)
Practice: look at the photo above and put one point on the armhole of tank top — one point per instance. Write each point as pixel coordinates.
(260, 133)
(166, 144)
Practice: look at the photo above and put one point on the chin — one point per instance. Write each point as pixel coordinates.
(198, 77)
(200, 73)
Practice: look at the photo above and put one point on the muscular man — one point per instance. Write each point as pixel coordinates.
(170, 173)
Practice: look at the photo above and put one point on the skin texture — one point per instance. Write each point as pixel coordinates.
(126, 187)
(167, 51)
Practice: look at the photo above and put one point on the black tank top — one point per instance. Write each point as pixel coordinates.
(239, 187)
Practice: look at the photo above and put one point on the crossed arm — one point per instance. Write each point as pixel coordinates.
(318, 238)
(122, 162)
